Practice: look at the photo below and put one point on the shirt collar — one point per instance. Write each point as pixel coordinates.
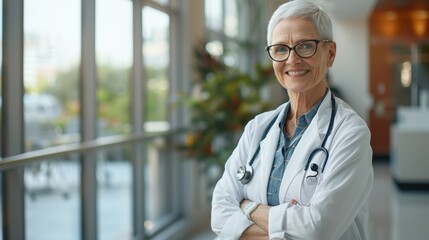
(305, 119)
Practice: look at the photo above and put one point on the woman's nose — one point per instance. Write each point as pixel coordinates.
(293, 58)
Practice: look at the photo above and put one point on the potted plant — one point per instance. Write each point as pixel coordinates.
(223, 100)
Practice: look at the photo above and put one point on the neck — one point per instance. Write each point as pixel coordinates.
(301, 103)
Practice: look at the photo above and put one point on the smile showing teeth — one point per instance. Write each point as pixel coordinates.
(296, 73)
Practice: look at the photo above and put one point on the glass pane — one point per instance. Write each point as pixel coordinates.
(156, 58)
(231, 18)
(51, 62)
(53, 199)
(114, 60)
(114, 177)
(213, 14)
(159, 182)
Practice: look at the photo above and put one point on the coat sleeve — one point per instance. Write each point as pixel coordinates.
(227, 219)
(341, 195)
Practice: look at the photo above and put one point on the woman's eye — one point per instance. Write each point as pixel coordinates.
(306, 46)
(281, 49)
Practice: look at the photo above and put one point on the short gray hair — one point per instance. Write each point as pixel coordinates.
(305, 10)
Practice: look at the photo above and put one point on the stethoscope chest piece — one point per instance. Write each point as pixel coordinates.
(244, 173)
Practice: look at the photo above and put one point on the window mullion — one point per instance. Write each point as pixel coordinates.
(88, 110)
(13, 119)
(137, 116)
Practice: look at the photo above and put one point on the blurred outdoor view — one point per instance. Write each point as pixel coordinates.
(52, 56)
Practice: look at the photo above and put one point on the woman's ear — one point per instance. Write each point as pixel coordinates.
(332, 53)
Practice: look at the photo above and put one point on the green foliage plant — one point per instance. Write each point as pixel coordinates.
(223, 100)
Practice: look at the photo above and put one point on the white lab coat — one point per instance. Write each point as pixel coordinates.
(335, 208)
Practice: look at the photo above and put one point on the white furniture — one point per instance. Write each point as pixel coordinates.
(410, 148)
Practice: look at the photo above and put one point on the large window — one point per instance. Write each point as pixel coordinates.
(213, 14)
(156, 61)
(223, 37)
(51, 115)
(114, 60)
(51, 64)
(159, 179)
(113, 181)
(114, 178)
(236, 32)
(52, 200)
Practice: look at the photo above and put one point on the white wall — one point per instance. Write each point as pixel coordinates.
(350, 72)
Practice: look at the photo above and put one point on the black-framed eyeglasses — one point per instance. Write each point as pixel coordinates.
(304, 49)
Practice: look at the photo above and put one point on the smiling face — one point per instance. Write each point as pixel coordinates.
(302, 75)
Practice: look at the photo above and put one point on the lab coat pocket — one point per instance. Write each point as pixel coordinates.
(313, 175)
(302, 187)
(308, 187)
(294, 187)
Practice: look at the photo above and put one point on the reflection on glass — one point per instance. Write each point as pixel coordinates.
(156, 58)
(114, 60)
(51, 61)
(52, 199)
(114, 181)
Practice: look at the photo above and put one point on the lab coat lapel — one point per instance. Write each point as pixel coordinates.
(268, 148)
(311, 139)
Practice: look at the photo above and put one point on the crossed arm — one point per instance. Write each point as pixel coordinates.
(259, 216)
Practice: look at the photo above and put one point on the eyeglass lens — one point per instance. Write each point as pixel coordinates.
(304, 49)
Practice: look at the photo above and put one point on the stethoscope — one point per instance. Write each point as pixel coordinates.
(245, 172)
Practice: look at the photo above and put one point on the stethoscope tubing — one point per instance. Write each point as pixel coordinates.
(322, 148)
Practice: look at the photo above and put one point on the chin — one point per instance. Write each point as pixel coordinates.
(297, 88)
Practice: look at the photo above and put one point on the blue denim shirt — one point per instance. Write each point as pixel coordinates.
(285, 149)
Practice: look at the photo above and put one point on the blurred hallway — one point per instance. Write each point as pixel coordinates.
(394, 214)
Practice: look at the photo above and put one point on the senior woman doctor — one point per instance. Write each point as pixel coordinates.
(302, 171)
